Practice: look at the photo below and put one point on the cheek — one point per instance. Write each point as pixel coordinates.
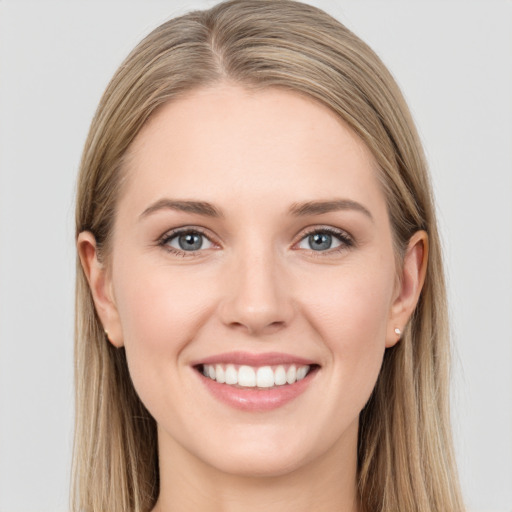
(158, 306)
(352, 321)
(160, 313)
(355, 303)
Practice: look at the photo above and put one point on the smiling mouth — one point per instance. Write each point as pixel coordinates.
(251, 377)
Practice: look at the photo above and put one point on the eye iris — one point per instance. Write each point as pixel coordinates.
(190, 241)
(320, 241)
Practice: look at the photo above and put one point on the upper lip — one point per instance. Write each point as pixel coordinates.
(256, 360)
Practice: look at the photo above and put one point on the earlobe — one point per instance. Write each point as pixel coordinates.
(99, 281)
(411, 282)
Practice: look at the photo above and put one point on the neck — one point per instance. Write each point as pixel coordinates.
(328, 484)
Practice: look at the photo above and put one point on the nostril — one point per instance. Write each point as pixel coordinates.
(276, 325)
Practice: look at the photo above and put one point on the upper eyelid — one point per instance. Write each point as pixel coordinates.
(320, 228)
(171, 233)
(329, 229)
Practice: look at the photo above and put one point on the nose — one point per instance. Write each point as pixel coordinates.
(257, 296)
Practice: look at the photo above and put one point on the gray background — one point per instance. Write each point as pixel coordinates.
(454, 63)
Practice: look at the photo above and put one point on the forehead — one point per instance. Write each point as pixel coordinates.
(227, 143)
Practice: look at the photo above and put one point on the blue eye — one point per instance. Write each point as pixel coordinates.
(188, 241)
(320, 241)
(323, 240)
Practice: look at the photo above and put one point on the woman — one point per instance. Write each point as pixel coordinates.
(261, 316)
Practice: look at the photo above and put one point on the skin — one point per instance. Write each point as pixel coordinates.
(256, 285)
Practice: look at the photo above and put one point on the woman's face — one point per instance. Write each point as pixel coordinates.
(251, 243)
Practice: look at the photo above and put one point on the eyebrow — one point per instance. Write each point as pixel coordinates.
(297, 209)
(198, 207)
(320, 207)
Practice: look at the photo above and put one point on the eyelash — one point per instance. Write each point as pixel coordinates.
(346, 240)
(167, 237)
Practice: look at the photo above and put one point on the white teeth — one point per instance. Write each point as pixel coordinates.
(291, 374)
(265, 377)
(280, 376)
(246, 377)
(301, 372)
(231, 375)
(219, 374)
(249, 377)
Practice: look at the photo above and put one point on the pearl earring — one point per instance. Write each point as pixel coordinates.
(398, 332)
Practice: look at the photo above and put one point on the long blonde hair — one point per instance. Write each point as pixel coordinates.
(406, 461)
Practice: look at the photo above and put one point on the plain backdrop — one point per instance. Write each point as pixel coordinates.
(453, 61)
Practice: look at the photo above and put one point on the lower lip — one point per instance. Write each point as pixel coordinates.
(257, 399)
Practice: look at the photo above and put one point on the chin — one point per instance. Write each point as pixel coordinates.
(261, 465)
(280, 454)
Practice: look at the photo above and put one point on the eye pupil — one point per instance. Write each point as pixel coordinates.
(190, 241)
(320, 241)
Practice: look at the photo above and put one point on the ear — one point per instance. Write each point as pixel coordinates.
(101, 287)
(409, 286)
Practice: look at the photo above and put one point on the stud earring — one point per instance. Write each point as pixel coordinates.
(398, 332)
